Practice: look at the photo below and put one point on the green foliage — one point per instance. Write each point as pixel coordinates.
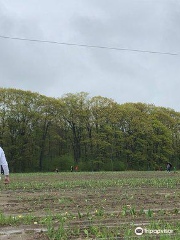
(149, 213)
(39, 133)
(63, 163)
(85, 166)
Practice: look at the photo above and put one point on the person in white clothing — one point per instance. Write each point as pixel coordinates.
(4, 165)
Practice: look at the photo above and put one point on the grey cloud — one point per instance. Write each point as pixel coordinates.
(125, 76)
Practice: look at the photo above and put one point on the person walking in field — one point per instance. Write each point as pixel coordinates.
(4, 165)
(169, 166)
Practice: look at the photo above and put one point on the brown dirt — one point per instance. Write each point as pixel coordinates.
(110, 199)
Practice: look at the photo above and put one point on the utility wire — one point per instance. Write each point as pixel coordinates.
(89, 46)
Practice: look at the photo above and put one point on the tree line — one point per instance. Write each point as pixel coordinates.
(40, 133)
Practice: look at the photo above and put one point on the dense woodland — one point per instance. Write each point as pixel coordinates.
(40, 133)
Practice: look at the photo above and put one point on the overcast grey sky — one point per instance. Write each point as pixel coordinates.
(54, 70)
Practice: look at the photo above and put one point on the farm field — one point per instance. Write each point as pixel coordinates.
(104, 205)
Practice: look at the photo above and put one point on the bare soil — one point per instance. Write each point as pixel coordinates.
(111, 200)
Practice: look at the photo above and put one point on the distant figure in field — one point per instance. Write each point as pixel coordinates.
(160, 169)
(72, 168)
(76, 168)
(169, 166)
(56, 170)
(4, 165)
